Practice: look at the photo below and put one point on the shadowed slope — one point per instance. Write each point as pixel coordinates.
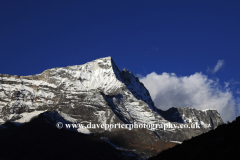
(221, 143)
(40, 140)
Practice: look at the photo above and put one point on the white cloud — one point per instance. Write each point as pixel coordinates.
(196, 91)
(218, 66)
(139, 75)
(226, 84)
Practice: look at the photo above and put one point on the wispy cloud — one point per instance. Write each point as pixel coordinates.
(218, 66)
(196, 91)
(139, 75)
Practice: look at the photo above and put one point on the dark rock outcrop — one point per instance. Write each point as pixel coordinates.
(221, 143)
(39, 140)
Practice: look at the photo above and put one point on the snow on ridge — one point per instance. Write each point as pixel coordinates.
(204, 110)
(97, 75)
(67, 117)
(176, 142)
(208, 110)
(27, 116)
(28, 81)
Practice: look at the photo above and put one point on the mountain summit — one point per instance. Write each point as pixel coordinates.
(99, 93)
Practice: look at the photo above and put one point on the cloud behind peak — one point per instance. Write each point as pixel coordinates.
(196, 91)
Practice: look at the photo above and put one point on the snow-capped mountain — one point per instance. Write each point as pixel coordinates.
(98, 92)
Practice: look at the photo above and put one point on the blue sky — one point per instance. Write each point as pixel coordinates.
(145, 36)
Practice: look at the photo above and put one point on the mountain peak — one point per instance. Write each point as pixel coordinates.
(96, 92)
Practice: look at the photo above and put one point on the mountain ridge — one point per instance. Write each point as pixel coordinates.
(97, 92)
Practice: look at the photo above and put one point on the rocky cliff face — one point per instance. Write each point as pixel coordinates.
(98, 92)
(192, 115)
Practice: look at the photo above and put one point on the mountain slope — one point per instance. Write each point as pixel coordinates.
(40, 140)
(99, 93)
(221, 143)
